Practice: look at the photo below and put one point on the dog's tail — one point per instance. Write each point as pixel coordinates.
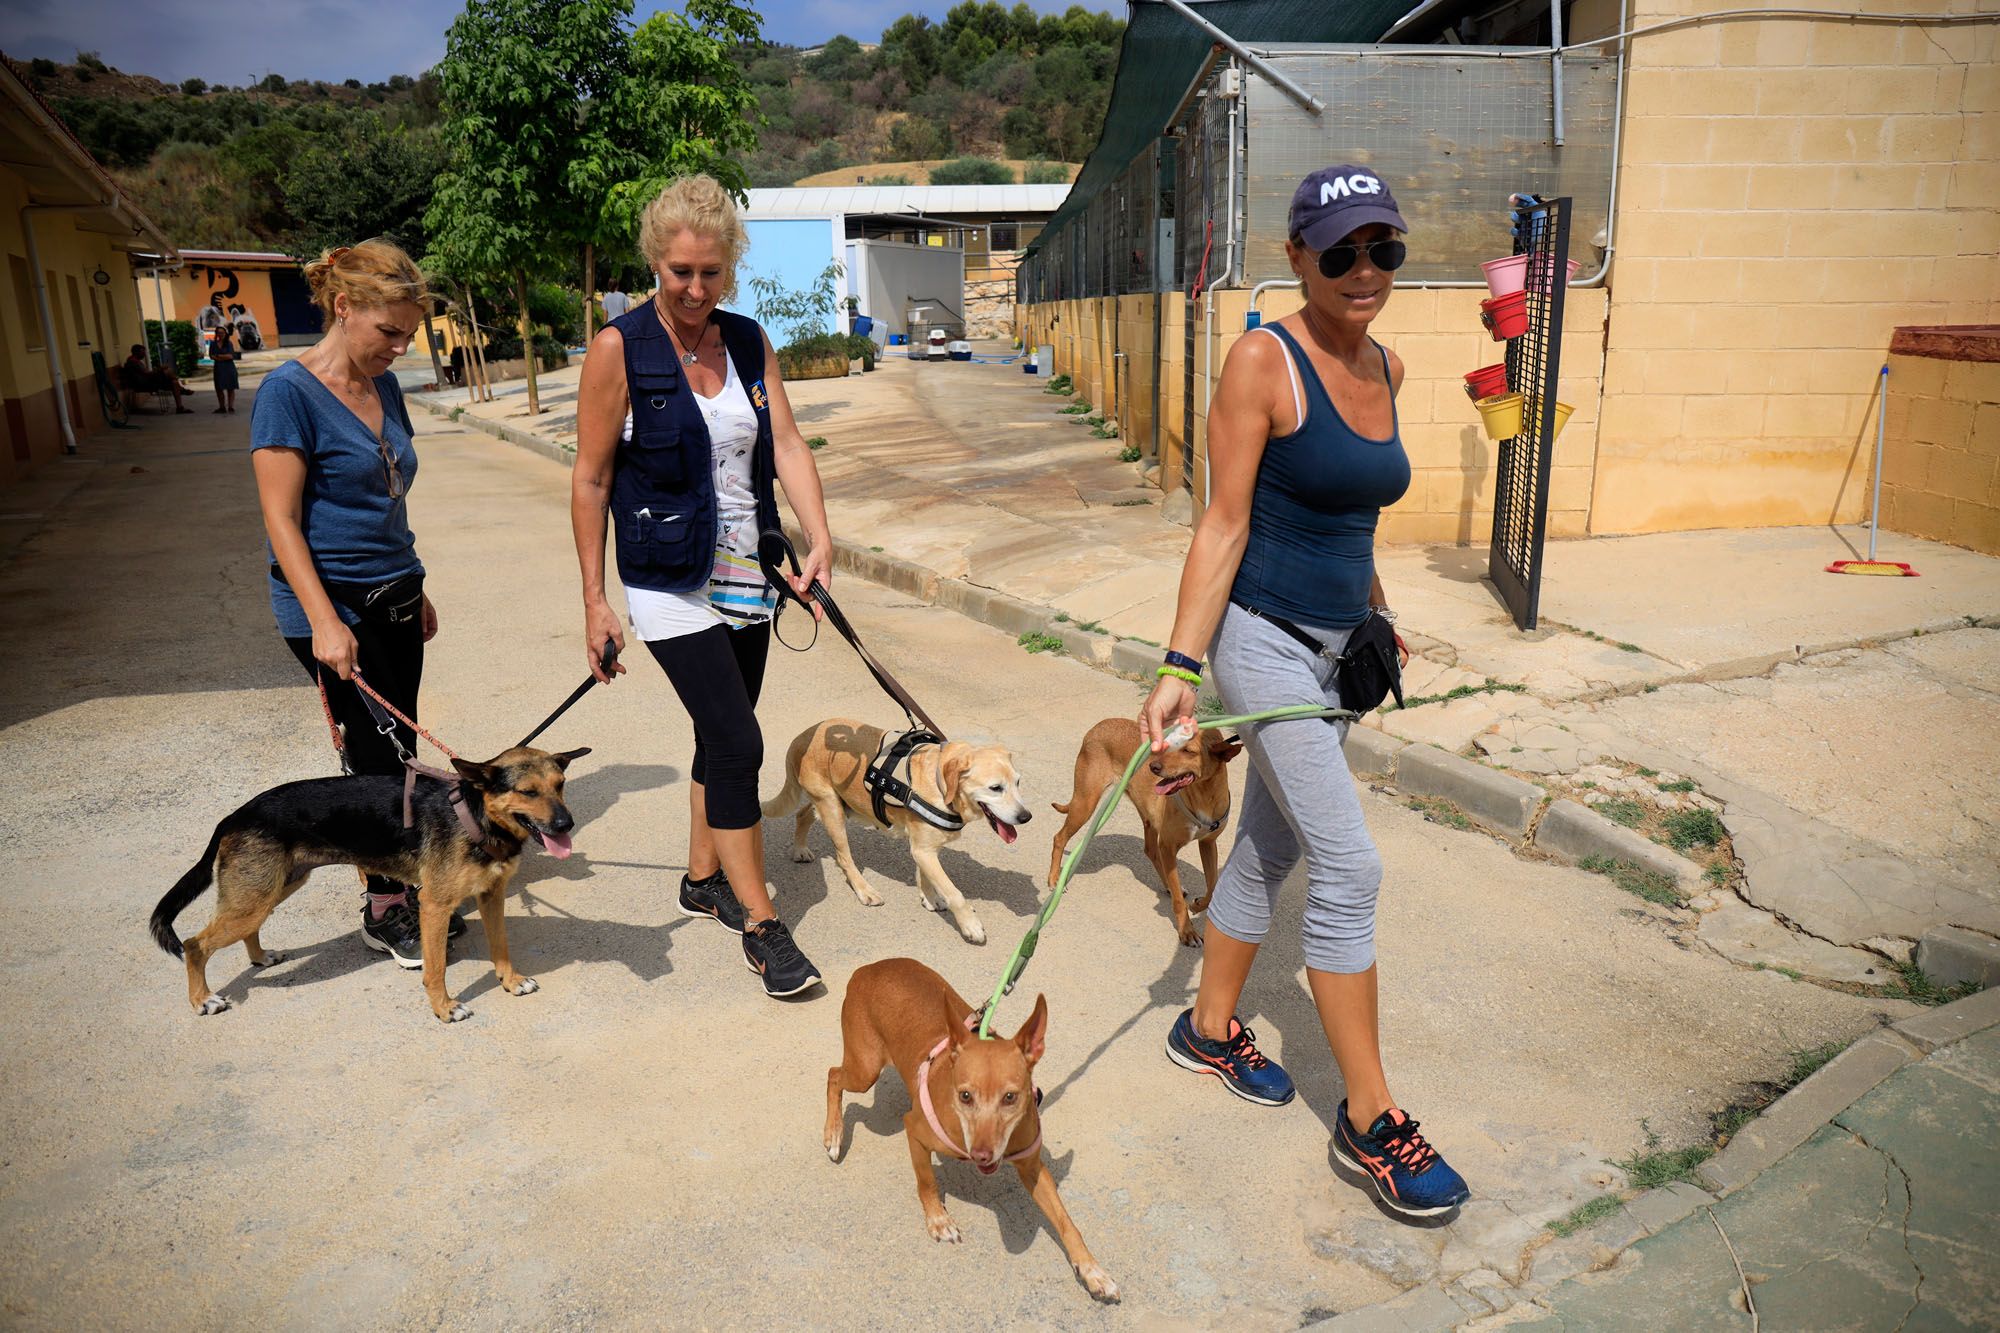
(1059, 807)
(791, 798)
(185, 890)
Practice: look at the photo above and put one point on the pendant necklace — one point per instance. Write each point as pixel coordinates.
(687, 358)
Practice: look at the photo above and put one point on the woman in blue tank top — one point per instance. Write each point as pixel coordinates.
(1304, 452)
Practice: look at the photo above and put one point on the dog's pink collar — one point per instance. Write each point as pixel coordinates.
(930, 1109)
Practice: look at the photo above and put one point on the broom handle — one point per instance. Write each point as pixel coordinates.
(1881, 426)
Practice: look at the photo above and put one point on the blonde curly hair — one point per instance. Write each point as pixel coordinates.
(698, 204)
(373, 274)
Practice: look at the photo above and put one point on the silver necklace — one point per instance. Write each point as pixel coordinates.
(687, 358)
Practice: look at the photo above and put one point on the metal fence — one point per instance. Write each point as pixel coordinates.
(1454, 130)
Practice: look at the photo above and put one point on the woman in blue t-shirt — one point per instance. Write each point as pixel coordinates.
(1304, 453)
(331, 447)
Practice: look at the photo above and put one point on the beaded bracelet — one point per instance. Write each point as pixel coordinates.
(1180, 673)
(1183, 661)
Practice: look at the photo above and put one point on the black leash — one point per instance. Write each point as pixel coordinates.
(609, 656)
(774, 546)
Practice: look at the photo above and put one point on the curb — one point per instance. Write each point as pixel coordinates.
(1574, 832)
(1501, 803)
(498, 430)
(1784, 1125)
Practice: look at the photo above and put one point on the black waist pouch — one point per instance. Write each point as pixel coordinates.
(397, 602)
(1367, 671)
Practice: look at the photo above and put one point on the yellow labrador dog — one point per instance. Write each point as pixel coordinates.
(823, 777)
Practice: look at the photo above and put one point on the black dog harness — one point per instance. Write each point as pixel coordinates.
(887, 789)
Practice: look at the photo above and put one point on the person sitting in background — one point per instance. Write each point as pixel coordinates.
(135, 376)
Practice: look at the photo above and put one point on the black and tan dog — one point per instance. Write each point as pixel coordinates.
(261, 854)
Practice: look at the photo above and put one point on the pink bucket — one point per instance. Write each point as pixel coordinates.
(1505, 276)
(1538, 280)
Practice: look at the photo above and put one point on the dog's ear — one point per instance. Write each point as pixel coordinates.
(562, 760)
(1224, 748)
(486, 777)
(1034, 1034)
(953, 760)
(958, 1033)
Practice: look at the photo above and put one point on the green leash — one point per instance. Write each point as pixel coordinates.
(1105, 805)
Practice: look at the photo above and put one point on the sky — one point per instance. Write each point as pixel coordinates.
(368, 40)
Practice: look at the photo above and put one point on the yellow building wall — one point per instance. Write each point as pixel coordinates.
(1941, 451)
(1790, 193)
(88, 318)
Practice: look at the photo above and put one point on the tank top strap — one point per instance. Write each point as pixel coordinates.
(1302, 366)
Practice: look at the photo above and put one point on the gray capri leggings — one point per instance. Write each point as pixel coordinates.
(1298, 799)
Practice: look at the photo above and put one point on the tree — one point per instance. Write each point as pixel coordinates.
(515, 77)
(371, 181)
(972, 171)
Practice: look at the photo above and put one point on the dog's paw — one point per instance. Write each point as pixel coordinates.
(802, 855)
(867, 895)
(1098, 1282)
(944, 1229)
(1190, 937)
(833, 1148)
(271, 957)
(972, 932)
(213, 1005)
(524, 986)
(458, 1013)
(930, 904)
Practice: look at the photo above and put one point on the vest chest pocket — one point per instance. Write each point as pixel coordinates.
(661, 540)
(657, 452)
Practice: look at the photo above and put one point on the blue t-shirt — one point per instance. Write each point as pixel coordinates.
(356, 533)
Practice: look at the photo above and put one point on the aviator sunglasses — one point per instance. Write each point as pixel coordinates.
(1336, 260)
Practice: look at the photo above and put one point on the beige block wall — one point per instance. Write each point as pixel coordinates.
(1790, 193)
(1941, 451)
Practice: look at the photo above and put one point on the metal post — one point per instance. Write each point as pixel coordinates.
(1881, 429)
(1249, 57)
(1556, 67)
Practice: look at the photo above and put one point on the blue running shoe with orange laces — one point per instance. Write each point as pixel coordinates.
(1243, 1069)
(1403, 1170)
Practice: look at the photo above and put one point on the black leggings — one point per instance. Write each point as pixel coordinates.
(718, 674)
(391, 659)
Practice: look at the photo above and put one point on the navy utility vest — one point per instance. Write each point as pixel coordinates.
(663, 479)
(1310, 556)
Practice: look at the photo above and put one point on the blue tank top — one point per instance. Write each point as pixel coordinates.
(1311, 552)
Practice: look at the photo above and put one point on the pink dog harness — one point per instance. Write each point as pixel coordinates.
(930, 1110)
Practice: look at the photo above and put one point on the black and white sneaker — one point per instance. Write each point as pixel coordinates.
(768, 950)
(396, 934)
(714, 899)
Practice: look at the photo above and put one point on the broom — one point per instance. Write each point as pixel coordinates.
(1881, 568)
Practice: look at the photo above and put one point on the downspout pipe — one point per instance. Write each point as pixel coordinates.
(57, 384)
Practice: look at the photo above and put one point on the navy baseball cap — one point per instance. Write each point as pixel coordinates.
(1335, 201)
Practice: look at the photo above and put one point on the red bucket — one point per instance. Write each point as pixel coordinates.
(1486, 382)
(1506, 315)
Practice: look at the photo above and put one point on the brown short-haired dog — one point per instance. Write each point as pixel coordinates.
(261, 854)
(1186, 800)
(975, 1096)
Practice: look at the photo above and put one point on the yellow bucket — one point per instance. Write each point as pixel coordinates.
(1533, 409)
(1501, 415)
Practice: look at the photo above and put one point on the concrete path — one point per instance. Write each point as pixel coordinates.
(637, 1144)
(1847, 729)
(1886, 1217)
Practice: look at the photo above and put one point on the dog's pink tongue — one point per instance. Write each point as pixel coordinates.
(555, 844)
(1006, 831)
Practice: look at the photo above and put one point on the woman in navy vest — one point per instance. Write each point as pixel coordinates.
(1304, 452)
(682, 427)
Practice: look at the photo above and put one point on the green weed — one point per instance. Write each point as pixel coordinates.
(1091, 626)
(1103, 432)
(1679, 784)
(1654, 1166)
(1651, 885)
(1622, 810)
(1208, 706)
(1810, 1061)
(1129, 454)
(876, 549)
(1645, 772)
(1059, 384)
(1919, 986)
(1076, 409)
(1061, 617)
(1789, 973)
(1717, 874)
(1457, 692)
(1624, 647)
(1094, 419)
(1037, 642)
(815, 442)
(1687, 829)
(1581, 1216)
(1439, 811)
(1150, 643)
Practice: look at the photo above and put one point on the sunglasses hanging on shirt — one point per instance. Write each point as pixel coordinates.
(1336, 260)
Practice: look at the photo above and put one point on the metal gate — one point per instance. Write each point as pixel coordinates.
(1521, 492)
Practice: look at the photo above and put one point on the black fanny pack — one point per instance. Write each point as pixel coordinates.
(397, 602)
(1367, 671)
